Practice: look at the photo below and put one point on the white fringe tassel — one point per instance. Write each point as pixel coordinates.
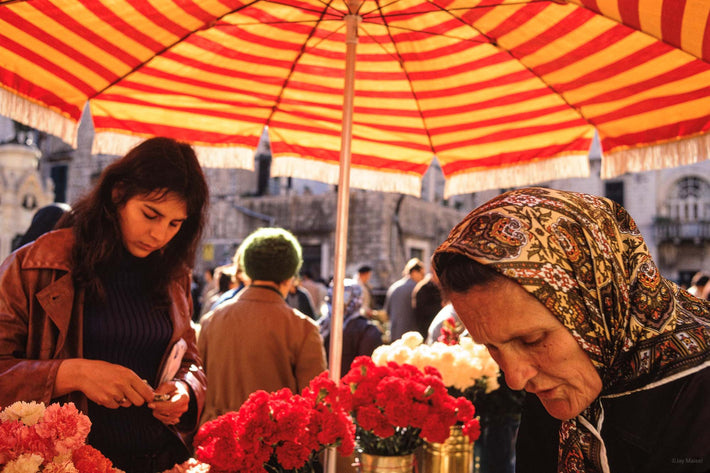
(368, 179)
(665, 155)
(561, 167)
(118, 144)
(38, 116)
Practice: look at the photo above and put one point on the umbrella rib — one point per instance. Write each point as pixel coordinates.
(493, 42)
(327, 4)
(406, 73)
(277, 101)
(497, 5)
(384, 19)
(165, 49)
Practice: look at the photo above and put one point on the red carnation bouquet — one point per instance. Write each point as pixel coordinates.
(397, 407)
(280, 432)
(50, 440)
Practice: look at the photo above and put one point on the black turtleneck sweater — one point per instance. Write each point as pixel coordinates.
(127, 329)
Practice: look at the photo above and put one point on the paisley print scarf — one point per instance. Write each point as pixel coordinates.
(583, 257)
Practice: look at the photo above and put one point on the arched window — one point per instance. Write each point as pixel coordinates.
(689, 200)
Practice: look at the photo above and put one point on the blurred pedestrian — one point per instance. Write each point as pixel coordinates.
(256, 341)
(317, 290)
(43, 221)
(300, 299)
(360, 335)
(426, 302)
(363, 276)
(398, 301)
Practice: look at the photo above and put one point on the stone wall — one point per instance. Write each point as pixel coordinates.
(380, 227)
(22, 192)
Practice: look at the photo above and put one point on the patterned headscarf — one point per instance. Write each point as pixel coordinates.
(352, 298)
(584, 258)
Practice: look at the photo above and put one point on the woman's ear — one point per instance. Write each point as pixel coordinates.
(117, 193)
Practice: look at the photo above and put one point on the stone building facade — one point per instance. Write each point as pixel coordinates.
(22, 192)
(384, 229)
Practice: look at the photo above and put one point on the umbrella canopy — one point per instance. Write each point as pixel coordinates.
(501, 92)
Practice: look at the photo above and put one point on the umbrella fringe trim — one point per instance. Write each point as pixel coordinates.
(561, 167)
(37, 116)
(369, 179)
(659, 156)
(209, 156)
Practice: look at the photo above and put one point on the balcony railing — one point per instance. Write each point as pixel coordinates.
(669, 230)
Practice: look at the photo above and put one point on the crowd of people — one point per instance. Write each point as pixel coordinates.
(558, 285)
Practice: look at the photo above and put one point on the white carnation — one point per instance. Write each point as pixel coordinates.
(460, 365)
(61, 464)
(25, 463)
(380, 355)
(399, 354)
(26, 412)
(412, 339)
(492, 384)
(422, 356)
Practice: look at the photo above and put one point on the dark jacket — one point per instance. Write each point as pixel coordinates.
(360, 338)
(661, 430)
(41, 320)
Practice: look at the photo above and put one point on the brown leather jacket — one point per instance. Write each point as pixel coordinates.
(41, 320)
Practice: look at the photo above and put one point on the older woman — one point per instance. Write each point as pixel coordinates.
(562, 290)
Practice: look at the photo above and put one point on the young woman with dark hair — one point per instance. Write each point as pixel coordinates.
(91, 313)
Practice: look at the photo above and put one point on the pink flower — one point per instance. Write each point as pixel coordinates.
(11, 440)
(64, 427)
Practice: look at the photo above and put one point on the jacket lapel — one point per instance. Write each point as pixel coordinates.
(57, 300)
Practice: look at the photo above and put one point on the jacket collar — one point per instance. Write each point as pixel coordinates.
(53, 253)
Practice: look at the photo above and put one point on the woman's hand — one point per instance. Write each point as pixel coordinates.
(170, 410)
(106, 384)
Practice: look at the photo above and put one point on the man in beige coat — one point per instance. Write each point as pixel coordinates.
(255, 341)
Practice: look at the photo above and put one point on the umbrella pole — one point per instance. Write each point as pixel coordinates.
(343, 208)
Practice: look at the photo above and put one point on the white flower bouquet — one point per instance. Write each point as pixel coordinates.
(466, 367)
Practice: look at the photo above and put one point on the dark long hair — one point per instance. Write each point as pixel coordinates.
(156, 166)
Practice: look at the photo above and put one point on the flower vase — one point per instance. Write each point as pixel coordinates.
(453, 456)
(384, 464)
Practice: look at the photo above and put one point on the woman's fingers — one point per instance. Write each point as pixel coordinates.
(112, 385)
(174, 406)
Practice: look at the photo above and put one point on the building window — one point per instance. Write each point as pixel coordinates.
(690, 200)
(416, 253)
(417, 248)
(312, 259)
(58, 174)
(614, 190)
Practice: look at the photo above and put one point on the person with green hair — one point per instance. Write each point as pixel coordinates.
(256, 341)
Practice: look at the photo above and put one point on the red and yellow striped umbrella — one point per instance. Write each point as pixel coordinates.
(501, 92)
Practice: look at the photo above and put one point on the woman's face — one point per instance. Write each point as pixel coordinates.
(534, 350)
(148, 224)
